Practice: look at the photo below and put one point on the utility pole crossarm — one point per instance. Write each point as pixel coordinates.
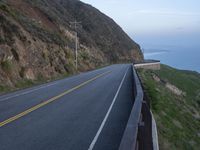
(75, 24)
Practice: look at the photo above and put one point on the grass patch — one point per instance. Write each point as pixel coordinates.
(24, 83)
(178, 127)
(4, 88)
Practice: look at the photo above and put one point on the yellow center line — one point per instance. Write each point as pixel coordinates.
(26, 112)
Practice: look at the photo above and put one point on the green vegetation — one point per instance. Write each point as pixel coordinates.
(37, 30)
(177, 117)
(70, 67)
(6, 66)
(4, 7)
(84, 55)
(2, 41)
(10, 30)
(4, 88)
(24, 83)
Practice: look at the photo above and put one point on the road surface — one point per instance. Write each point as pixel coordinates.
(88, 111)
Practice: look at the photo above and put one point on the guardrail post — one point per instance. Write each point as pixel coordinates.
(146, 99)
(147, 119)
(141, 135)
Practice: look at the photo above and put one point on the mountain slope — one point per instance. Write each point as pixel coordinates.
(37, 41)
(175, 102)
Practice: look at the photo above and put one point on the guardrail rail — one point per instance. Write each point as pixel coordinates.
(138, 132)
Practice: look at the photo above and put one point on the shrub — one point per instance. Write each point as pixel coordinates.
(24, 83)
(21, 73)
(70, 67)
(40, 77)
(84, 55)
(3, 88)
(2, 41)
(6, 65)
(15, 54)
(4, 7)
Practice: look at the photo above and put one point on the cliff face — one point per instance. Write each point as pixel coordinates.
(37, 41)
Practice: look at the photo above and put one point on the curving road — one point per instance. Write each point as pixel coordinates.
(84, 112)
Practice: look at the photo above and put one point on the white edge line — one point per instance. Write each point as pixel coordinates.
(37, 88)
(26, 92)
(107, 114)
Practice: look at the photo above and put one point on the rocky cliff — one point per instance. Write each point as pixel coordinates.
(37, 40)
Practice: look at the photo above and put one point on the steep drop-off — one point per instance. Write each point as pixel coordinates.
(175, 101)
(37, 40)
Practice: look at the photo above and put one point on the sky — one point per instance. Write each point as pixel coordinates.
(155, 23)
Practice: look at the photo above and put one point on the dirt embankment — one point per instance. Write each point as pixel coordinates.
(37, 41)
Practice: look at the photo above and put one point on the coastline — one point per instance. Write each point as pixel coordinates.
(179, 59)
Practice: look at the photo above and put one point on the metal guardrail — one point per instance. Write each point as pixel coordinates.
(148, 61)
(138, 132)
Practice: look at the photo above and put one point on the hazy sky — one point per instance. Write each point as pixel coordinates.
(155, 22)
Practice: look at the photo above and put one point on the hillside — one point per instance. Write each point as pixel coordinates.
(175, 102)
(37, 41)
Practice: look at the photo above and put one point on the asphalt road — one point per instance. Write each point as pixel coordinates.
(86, 111)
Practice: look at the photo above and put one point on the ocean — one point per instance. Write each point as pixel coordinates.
(184, 58)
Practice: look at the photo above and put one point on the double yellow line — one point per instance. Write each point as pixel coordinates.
(49, 101)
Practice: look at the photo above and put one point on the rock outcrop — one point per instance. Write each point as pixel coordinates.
(37, 41)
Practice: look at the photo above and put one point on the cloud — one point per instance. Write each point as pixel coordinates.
(179, 28)
(166, 13)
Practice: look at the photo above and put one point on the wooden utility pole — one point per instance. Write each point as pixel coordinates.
(75, 25)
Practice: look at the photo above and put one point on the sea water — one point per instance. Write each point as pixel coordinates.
(185, 58)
